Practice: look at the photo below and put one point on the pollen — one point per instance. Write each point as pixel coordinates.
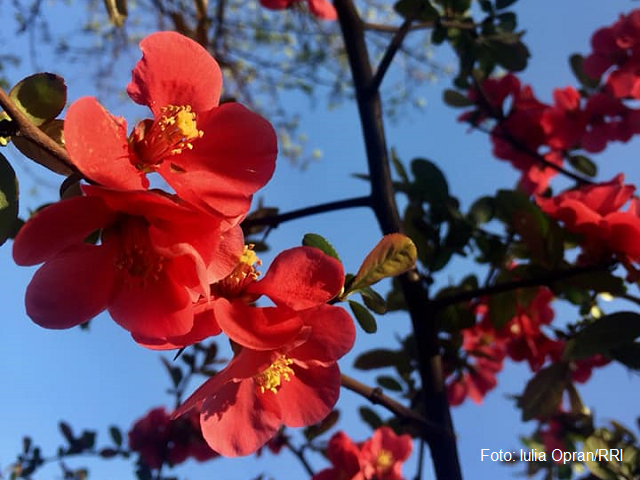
(172, 132)
(384, 459)
(243, 274)
(271, 378)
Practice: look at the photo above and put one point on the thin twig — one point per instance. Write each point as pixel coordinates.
(30, 132)
(300, 456)
(275, 220)
(392, 49)
(377, 397)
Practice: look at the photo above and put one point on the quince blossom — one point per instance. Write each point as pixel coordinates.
(213, 156)
(155, 256)
(320, 8)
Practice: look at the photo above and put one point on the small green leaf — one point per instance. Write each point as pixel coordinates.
(364, 317)
(609, 332)
(41, 97)
(482, 210)
(628, 355)
(593, 444)
(430, 183)
(370, 417)
(389, 383)
(455, 99)
(576, 62)
(8, 200)
(325, 425)
(318, 241)
(379, 358)
(583, 165)
(502, 308)
(398, 166)
(543, 392)
(116, 435)
(373, 300)
(508, 54)
(392, 256)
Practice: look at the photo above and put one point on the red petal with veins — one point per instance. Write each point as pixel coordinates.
(301, 278)
(175, 70)
(234, 158)
(97, 144)
(71, 288)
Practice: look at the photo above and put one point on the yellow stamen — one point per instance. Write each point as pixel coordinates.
(245, 273)
(271, 378)
(384, 459)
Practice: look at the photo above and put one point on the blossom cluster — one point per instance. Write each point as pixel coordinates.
(522, 338)
(160, 440)
(378, 458)
(534, 136)
(171, 266)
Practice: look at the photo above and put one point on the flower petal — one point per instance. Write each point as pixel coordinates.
(257, 328)
(332, 334)
(310, 395)
(322, 9)
(301, 278)
(97, 144)
(59, 226)
(234, 158)
(175, 70)
(150, 308)
(72, 287)
(237, 420)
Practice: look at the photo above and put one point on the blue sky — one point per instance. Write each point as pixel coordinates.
(101, 377)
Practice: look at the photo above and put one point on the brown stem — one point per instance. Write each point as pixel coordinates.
(392, 49)
(30, 132)
(375, 396)
(436, 408)
(300, 456)
(275, 220)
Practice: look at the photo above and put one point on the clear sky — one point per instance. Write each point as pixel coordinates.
(101, 377)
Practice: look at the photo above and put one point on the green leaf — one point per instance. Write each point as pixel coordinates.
(576, 62)
(511, 55)
(364, 317)
(8, 200)
(373, 300)
(398, 166)
(508, 21)
(392, 256)
(370, 417)
(41, 97)
(593, 444)
(482, 210)
(417, 9)
(609, 332)
(324, 426)
(628, 355)
(455, 99)
(502, 308)
(583, 165)
(318, 241)
(389, 383)
(500, 4)
(543, 392)
(116, 435)
(430, 183)
(379, 358)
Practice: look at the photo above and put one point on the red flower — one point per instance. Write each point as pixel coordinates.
(297, 385)
(160, 440)
(592, 211)
(344, 455)
(299, 279)
(155, 256)
(214, 156)
(320, 8)
(383, 454)
(378, 458)
(564, 123)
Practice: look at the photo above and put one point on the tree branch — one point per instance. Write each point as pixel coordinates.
(375, 396)
(275, 220)
(434, 398)
(392, 49)
(298, 452)
(555, 276)
(30, 132)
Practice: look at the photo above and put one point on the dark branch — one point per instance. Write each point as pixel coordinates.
(392, 49)
(275, 220)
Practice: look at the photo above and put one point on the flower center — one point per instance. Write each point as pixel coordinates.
(136, 256)
(170, 134)
(245, 273)
(271, 378)
(384, 459)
